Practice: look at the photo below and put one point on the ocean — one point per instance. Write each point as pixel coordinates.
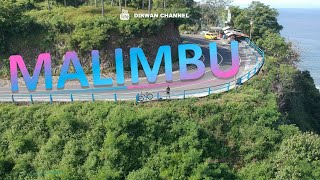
(301, 26)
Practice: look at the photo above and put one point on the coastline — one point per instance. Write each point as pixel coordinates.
(303, 37)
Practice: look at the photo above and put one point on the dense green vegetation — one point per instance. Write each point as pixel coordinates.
(266, 129)
(297, 97)
(263, 17)
(240, 134)
(82, 29)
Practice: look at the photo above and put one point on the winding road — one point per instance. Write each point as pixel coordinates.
(197, 88)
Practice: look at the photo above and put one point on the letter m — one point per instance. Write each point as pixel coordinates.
(31, 82)
(164, 52)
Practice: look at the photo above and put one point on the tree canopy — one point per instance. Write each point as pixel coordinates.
(263, 17)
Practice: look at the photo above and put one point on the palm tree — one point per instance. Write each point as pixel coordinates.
(49, 8)
(120, 5)
(125, 3)
(102, 11)
(149, 8)
(142, 4)
(111, 2)
(96, 3)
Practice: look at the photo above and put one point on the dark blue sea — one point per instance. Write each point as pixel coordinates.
(302, 26)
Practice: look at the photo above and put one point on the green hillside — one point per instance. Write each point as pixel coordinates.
(266, 129)
(29, 29)
(237, 135)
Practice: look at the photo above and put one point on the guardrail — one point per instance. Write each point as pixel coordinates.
(159, 95)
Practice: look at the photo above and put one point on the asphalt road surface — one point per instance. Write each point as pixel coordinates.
(178, 88)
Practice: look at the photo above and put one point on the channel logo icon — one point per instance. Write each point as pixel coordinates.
(124, 16)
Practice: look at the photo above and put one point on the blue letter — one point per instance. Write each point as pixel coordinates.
(119, 66)
(184, 61)
(164, 51)
(80, 75)
(97, 81)
(31, 82)
(214, 61)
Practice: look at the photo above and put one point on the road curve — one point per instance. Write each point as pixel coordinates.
(206, 85)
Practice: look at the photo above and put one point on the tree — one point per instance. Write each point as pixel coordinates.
(12, 23)
(211, 10)
(102, 11)
(235, 12)
(49, 8)
(149, 7)
(298, 158)
(74, 3)
(264, 20)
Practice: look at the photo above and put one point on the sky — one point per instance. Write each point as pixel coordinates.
(282, 3)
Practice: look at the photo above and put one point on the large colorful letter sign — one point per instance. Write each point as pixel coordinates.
(163, 52)
(184, 61)
(214, 61)
(79, 74)
(136, 55)
(31, 82)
